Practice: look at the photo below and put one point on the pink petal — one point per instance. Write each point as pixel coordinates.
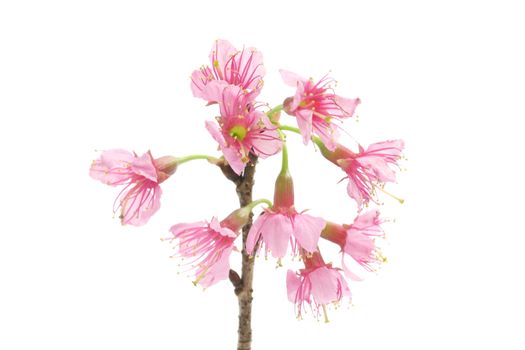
(368, 223)
(117, 158)
(218, 271)
(198, 83)
(139, 205)
(213, 90)
(328, 285)
(180, 228)
(230, 98)
(293, 282)
(354, 192)
(222, 50)
(251, 68)
(224, 231)
(380, 168)
(291, 78)
(348, 272)
(327, 132)
(307, 230)
(393, 148)
(348, 105)
(298, 97)
(145, 166)
(324, 285)
(265, 142)
(232, 155)
(255, 233)
(215, 132)
(234, 159)
(304, 121)
(113, 167)
(276, 232)
(358, 245)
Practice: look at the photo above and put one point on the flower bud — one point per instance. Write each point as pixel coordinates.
(166, 166)
(284, 194)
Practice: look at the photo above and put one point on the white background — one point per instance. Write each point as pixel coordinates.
(446, 76)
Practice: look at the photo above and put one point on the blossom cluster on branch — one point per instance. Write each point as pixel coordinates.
(247, 129)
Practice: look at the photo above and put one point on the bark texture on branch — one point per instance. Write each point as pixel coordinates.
(243, 284)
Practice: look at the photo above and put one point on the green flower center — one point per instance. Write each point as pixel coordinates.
(238, 132)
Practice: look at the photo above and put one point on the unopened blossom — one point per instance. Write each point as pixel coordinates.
(207, 246)
(316, 106)
(140, 176)
(242, 130)
(358, 241)
(229, 66)
(368, 169)
(282, 224)
(316, 286)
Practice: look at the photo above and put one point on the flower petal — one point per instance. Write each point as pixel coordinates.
(328, 285)
(140, 203)
(307, 230)
(221, 52)
(199, 81)
(353, 191)
(215, 132)
(232, 155)
(276, 232)
(218, 271)
(347, 105)
(255, 233)
(264, 141)
(212, 92)
(145, 166)
(304, 121)
(293, 282)
(291, 78)
(224, 231)
(113, 167)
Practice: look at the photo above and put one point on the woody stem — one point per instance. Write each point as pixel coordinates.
(243, 284)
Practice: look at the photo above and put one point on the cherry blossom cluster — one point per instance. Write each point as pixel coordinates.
(248, 129)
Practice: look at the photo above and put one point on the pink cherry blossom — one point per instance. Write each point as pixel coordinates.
(315, 106)
(208, 245)
(242, 129)
(315, 286)
(282, 224)
(140, 176)
(367, 170)
(229, 66)
(358, 241)
(277, 227)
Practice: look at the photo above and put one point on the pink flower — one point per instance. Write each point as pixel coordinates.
(208, 245)
(228, 67)
(358, 241)
(315, 106)
(140, 176)
(317, 285)
(282, 224)
(368, 169)
(242, 129)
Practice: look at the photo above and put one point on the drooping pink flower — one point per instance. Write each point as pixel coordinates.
(315, 286)
(140, 176)
(242, 129)
(315, 106)
(208, 245)
(229, 66)
(281, 224)
(358, 241)
(367, 170)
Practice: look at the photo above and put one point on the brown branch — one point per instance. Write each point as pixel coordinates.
(243, 284)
